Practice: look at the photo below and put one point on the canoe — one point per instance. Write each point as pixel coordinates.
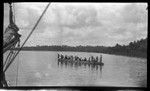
(77, 61)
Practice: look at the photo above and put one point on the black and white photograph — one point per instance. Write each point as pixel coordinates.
(75, 44)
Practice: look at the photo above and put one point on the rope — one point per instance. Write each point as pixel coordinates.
(9, 56)
(17, 65)
(8, 63)
(27, 37)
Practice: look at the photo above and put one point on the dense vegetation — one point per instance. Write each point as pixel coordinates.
(136, 48)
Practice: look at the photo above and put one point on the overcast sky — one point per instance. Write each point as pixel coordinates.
(81, 23)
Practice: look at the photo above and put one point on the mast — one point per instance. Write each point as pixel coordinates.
(10, 14)
(11, 36)
(3, 82)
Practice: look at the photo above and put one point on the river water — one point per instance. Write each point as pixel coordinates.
(41, 68)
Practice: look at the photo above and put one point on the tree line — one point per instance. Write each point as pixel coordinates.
(136, 48)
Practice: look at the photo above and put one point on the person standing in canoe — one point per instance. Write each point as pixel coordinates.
(97, 59)
(101, 59)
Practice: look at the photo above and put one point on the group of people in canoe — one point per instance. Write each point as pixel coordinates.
(91, 59)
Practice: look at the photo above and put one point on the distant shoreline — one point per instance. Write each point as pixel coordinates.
(133, 49)
(115, 53)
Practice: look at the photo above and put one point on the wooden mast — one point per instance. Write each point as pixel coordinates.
(10, 14)
(13, 29)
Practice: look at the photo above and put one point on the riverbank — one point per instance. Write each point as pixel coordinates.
(133, 49)
(129, 54)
